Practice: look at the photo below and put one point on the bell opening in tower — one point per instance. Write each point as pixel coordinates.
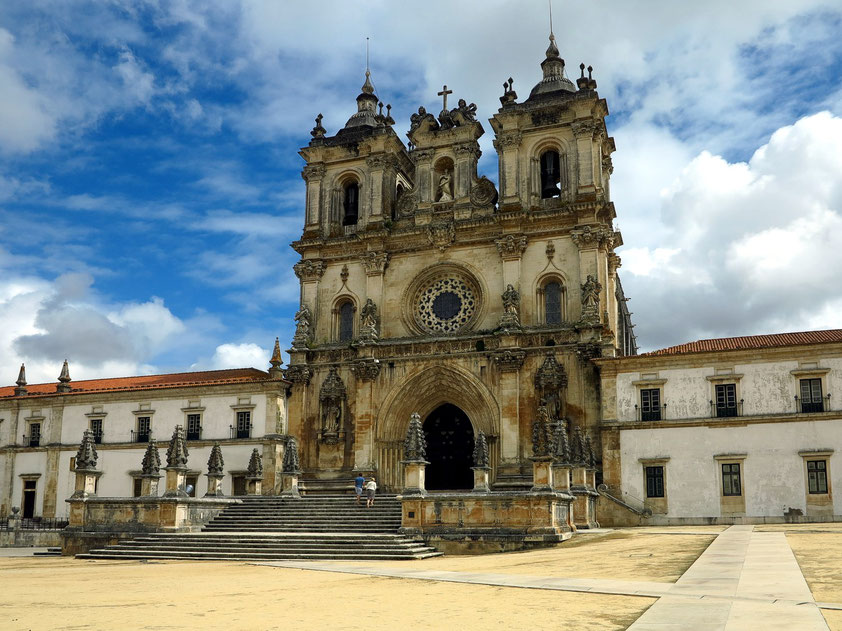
(351, 204)
(550, 175)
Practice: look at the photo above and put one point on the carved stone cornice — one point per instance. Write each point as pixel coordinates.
(313, 171)
(419, 155)
(589, 350)
(366, 369)
(298, 373)
(469, 148)
(375, 263)
(608, 165)
(511, 246)
(377, 162)
(509, 361)
(441, 234)
(584, 128)
(587, 237)
(508, 139)
(614, 263)
(309, 269)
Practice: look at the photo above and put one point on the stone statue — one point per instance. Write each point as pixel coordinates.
(369, 322)
(446, 187)
(332, 399)
(303, 327)
(511, 308)
(416, 119)
(464, 113)
(332, 416)
(590, 299)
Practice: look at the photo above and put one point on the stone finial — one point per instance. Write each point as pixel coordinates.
(21, 387)
(561, 444)
(578, 454)
(255, 468)
(291, 462)
(151, 464)
(542, 434)
(177, 451)
(415, 445)
(64, 378)
(276, 361)
(318, 131)
(86, 456)
(481, 451)
(215, 462)
(590, 456)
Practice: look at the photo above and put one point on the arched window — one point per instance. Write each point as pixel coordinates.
(552, 302)
(550, 175)
(346, 321)
(351, 204)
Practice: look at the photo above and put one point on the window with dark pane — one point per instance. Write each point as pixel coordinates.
(552, 303)
(346, 322)
(811, 396)
(550, 175)
(34, 434)
(726, 399)
(243, 424)
(137, 487)
(817, 476)
(351, 204)
(143, 427)
(446, 305)
(731, 479)
(96, 429)
(194, 426)
(650, 404)
(655, 481)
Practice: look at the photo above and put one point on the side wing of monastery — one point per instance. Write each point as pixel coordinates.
(464, 342)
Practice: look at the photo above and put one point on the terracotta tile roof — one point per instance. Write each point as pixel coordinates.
(148, 382)
(752, 341)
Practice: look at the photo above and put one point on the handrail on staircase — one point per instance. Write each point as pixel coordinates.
(644, 511)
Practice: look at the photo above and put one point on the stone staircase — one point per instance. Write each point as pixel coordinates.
(276, 528)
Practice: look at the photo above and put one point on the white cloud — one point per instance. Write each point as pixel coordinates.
(246, 355)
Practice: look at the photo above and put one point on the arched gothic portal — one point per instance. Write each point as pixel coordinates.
(450, 445)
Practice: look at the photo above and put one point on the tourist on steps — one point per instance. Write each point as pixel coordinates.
(370, 488)
(358, 486)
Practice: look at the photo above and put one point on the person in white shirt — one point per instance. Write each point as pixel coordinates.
(370, 488)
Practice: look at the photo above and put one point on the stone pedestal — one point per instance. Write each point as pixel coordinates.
(254, 485)
(214, 485)
(561, 484)
(481, 479)
(289, 484)
(176, 480)
(414, 477)
(542, 474)
(584, 504)
(149, 484)
(86, 482)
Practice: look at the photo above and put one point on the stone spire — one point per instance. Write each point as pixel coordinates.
(21, 388)
(86, 456)
(561, 444)
(553, 69)
(64, 379)
(590, 456)
(177, 451)
(275, 362)
(255, 468)
(366, 115)
(481, 451)
(291, 463)
(415, 445)
(215, 462)
(151, 464)
(542, 436)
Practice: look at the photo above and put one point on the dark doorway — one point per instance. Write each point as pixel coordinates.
(29, 499)
(450, 445)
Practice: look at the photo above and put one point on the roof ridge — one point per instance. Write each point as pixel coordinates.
(743, 342)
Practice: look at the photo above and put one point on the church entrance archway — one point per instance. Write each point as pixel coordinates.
(450, 446)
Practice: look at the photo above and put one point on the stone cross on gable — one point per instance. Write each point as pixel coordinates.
(444, 92)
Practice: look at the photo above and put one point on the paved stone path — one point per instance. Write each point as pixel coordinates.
(744, 580)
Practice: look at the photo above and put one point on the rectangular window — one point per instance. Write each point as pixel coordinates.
(726, 399)
(731, 480)
(194, 426)
(817, 476)
(811, 396)
(243, 424)
(96, 429)
(650, 404)
(136, 486)
(654, 482)
(143, 427)
(34, 434)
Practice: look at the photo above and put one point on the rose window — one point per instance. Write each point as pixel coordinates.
(445, 305)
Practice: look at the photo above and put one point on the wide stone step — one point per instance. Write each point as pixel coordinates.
(302, 549)
(217, 556)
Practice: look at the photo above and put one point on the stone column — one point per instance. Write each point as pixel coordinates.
(365, 372)
(507, 145)
(313, 174)
(509, 363)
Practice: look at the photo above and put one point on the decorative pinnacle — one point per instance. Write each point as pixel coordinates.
(578, 455)
(275, 362)
(151, 464)
(64, 379)
(86, 456)
(291, 463)
(215, 462)
(481, 450)
(22, 376)
(255, 468)
(415, 445)
(561, 444)
(590, 457)
(177, 451)
(368, 87)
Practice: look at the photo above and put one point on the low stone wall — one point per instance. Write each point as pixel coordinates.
(466, 523)
(98, 521)
(17, 538)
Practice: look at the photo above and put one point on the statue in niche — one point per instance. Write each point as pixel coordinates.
(331, 417)
(446, 187)
(550, 385)
(590, 299)
(369, 321)
(332, 400)
(511, 308)
(303, 327)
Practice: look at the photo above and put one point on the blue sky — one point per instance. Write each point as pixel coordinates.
(150, 182)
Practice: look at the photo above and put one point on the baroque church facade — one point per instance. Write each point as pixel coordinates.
(427, 289)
